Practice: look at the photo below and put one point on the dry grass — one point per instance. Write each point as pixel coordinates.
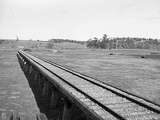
(15, 94)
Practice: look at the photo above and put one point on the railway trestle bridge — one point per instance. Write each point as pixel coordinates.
(63, 94)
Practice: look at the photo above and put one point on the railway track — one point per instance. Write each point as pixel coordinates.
(105, 101)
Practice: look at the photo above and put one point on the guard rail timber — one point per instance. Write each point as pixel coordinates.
(62, 94)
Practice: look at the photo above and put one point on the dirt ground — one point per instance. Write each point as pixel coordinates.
(135, 71)
(15, 94)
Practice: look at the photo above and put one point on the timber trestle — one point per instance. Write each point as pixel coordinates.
(63, 94)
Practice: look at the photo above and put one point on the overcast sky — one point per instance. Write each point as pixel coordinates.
(79, 19)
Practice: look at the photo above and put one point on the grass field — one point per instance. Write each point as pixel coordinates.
(15, 94)
(124, 69)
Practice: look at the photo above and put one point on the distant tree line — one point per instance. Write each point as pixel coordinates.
(2, 41)
(51, 42)
(123, 43)
(66, 40)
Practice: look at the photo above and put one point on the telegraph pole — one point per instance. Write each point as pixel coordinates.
(17, 38)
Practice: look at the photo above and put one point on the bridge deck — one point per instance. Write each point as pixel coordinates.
(105, 102)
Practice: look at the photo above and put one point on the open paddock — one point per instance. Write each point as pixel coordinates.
(125, 69)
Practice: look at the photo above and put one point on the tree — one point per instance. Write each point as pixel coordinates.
(50, 44)
(105, 42)
(130, 43)
(95, 43)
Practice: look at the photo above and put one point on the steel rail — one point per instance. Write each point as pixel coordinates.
(138, 101)
(112, 116)
(53, 80)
